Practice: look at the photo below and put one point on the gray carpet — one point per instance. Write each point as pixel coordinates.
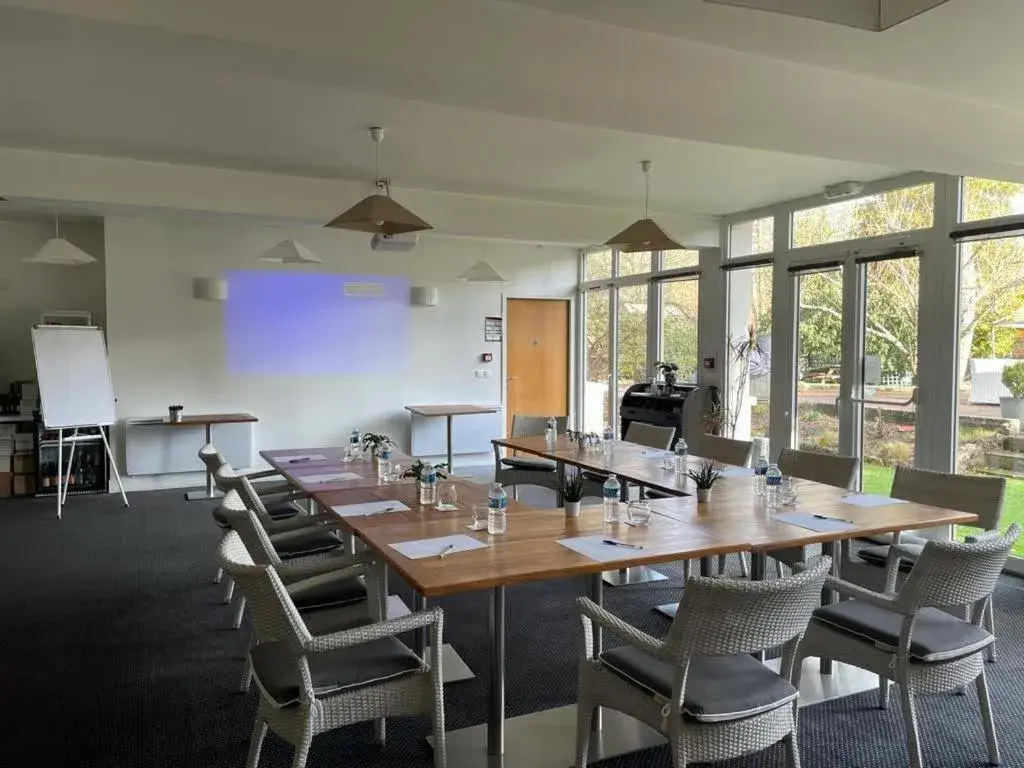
(117, 651)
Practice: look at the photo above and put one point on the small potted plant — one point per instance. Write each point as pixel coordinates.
(704, 478)
(572, 493)
(669, 372)
(419, 471)
(373, 442)
(1012, 407)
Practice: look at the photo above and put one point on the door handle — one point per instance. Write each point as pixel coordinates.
(512, 378)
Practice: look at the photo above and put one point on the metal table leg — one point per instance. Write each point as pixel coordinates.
(597, 595)
(830, 548)
(496, 692)
(451, 469)
(210, 492)
(758, 572)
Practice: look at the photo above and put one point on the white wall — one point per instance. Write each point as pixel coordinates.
(26, 290)
(166, 347)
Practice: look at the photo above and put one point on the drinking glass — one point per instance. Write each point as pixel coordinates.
(396, 474)
(638, 513)
(788, 494)
(480, 511)
(668, 462)
(447, 499)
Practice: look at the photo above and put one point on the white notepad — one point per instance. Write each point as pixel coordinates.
(332, 477)
(420, 548)
(736, 472)
(369, 508)
(595, 548)
(870, 500)
(813, 522)
(655, 453)
(301, 458)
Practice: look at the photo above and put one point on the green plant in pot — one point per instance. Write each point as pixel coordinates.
(704, 478)
(419, 470)
(669, 372)
(572, 493)
(1012, 407)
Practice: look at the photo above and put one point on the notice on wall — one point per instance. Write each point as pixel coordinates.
(492, 329)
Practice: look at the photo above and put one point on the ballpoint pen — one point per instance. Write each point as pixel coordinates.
(297, 461)
(615, 543)
(445, 551)
(837, 519)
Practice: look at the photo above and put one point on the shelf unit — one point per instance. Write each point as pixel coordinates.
(89, 470)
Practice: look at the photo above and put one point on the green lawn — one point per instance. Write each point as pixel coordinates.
(878, 479)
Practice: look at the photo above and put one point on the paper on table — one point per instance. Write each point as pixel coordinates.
(595, 548)
(813, 522)
(421, 548)
(333, 477)
(369, 508)
(300, 458)
(655, 453)
(870, 500)
(736, 472)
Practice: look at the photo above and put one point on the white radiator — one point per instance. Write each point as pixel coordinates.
(471, 433)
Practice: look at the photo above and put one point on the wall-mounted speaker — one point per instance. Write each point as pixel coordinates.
(210, 289)
(423, 296)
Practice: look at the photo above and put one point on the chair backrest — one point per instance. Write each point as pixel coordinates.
(725, 450)
(837, 471)
(533, 426)
(978, 494)
(722, 617)
(212, 458)
(247, 525)
(650, 435)
(951, 573)
(228, 480)
(695, 409)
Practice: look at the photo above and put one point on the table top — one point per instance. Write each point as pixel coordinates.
(332, 463)
(192, 419)
(450, 410)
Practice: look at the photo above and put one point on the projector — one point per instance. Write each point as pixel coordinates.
(394, 243)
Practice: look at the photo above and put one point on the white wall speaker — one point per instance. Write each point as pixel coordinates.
(423, 296)
(210, 289)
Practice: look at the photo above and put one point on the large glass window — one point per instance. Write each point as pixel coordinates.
(597, 362)
(887, 213)
(679, 259)
(679, 326)
(634, 263)
(749, 238)
(598, 265)
(819, 333)
(748, 368)
(632, 337)
(990, 199)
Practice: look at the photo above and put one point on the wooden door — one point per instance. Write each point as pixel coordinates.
(537, 333)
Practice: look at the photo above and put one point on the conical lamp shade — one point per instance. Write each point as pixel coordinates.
(643, 235)
(380, 215)
(482, 272)
(57, 250)
(291, 252)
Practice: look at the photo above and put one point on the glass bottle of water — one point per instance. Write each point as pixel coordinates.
(682, 452)
(773, 486)
(497, 506)
(551, 431)
(760, 470)
(355, 438)
(608, 438)
(384, 462)
(610, 495)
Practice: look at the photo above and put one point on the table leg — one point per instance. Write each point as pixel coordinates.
(597, 595)
(209, 474)
(496, 692)
(60, 472)
(451, 469)
(758, 572)
(707, 566)
(830, 548)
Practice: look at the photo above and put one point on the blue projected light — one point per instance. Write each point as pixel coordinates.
(293, 322)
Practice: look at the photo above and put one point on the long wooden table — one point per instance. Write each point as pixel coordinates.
(333, 462)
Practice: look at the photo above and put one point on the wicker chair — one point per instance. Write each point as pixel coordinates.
(909, 638)
(837, 471)
(700, 686)
(527, 470)
(310, 682)
(647, 435)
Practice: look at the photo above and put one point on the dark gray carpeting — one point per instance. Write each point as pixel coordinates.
(117, 651)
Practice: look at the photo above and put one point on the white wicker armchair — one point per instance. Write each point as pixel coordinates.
(909, 638)
(700, 686)
(310, 683)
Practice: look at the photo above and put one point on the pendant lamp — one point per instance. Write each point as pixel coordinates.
(379, 214)
(57, 250)
(482, 272)
(291, 251)
(643, 235)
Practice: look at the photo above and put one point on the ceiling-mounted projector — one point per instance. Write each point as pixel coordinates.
(394, 243)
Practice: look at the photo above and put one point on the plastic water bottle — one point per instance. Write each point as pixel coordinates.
(760, 470)
(551, 432)
(610, 494)
(773, 486)
(682, 451)
(497, 510)
(608, 437)
(384, 462)
(428, 494)
(355, 437)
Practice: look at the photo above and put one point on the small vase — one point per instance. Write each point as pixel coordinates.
(703, 495)
(572, 508)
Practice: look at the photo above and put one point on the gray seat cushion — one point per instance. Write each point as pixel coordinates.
(330, 594)
(718, 688)
(878, 555)
(937, 635)
(344, 669)
(529, 464)
(316, 543)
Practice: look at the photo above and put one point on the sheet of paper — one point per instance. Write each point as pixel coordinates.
(655, 453)
(813, 522)
(870, 500)
(369, 508)
(332, 477)
(420, 548)
(736, 472)
(595, 548)
(300, 458)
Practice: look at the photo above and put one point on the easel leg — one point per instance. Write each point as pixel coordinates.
(113, 466)
(60, 472)
(71, 460)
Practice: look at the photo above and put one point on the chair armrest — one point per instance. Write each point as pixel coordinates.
(591, 613)
(297, 534)
(292, 573)
(370, 632)
(892, 563)
(886, 601)
(259, 474)
(974, 538)
(301, 524)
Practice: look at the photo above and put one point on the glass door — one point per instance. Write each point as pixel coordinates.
(597, 361)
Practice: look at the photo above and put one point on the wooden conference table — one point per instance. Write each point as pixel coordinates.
(735, 521)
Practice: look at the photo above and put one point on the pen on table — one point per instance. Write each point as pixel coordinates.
(615, 543)
(826, 517)
(297, 461)
(445, 551)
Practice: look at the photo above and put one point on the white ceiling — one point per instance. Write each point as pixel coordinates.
(506, 99)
